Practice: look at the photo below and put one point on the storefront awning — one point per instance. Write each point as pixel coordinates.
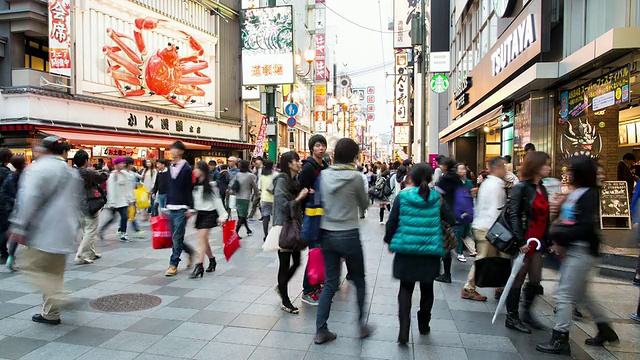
(94, 138)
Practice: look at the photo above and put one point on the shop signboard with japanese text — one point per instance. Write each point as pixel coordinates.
(403, 11)
(600, 93)
(401, 98)
(267, 46)
(60, 37)
(401, 135)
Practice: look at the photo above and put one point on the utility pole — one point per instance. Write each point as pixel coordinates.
(271, 113)
(424, 155)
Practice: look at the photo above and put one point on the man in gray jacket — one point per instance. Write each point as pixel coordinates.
(343, 196)
(46, 220)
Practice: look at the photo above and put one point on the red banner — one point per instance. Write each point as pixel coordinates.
(262, 135)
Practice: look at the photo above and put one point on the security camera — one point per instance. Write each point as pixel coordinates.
(226, 109)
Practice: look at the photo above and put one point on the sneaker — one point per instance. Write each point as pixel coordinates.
(635, 317)
(444, 278)
(461, 258)
(41, 319)
(125, 238)
(118, 233)
(96, 256)
(381, 222)
(10, 264)
(323, 336)
(81, 261)
(310, 298)
(171, 271)
(472, 295)
(140, 233)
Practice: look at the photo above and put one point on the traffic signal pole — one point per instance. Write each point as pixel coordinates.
(271, 114)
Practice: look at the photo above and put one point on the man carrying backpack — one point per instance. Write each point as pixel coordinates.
(384, 189)
(311, 168)
(93, 201)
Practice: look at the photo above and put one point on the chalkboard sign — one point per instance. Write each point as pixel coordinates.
(614, 201)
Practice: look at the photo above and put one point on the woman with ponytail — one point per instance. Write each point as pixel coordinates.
(414, 234)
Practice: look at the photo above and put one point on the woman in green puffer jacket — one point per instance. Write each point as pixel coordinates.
(414, 234)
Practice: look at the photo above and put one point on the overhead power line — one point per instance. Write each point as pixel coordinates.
(361, 26)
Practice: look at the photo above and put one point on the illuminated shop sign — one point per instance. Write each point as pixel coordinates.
(514, 45)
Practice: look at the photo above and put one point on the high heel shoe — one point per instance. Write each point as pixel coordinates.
(198, 270)
(212, 265)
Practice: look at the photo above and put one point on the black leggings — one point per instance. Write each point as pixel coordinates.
(382, 211)
(405, 294)
(286, 272)
(242, 221)
(446, 263)
(265, 225)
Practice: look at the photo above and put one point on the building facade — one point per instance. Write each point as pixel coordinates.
(122, 77)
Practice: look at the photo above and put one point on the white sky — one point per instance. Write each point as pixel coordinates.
(360, 48)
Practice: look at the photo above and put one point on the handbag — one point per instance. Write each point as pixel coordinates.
(450, 239)
(131, 212)
(161, 237)
(97, 200)
(291, 229)
(492, 272)
(143, 201)
(501, 236)
(230, 239)
(273, 239)
(315, 267)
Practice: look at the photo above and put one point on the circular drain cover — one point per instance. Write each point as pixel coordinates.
(125, 302)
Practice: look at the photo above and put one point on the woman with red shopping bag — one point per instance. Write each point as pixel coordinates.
(208, 203)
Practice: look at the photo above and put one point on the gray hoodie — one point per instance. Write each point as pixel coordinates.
(343, 193)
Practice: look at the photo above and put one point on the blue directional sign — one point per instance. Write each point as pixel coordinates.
(291, 110)
(291, 122)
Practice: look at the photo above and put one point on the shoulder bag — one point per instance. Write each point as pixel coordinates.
(501, 236)
(290, 237)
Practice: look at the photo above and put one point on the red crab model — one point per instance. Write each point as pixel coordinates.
(165, 72)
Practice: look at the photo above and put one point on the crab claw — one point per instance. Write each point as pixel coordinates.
(193, 43)
(147, 23)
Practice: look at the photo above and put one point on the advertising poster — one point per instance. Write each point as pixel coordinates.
(614, 200)
(60, 37)
(267, 46)
(262, 136)
(401, 98)
(401, 135)
(599, 93)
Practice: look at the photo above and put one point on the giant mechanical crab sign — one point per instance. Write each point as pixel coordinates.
(163, 73)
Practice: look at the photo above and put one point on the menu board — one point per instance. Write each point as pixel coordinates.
(614, 200)
(600, 93)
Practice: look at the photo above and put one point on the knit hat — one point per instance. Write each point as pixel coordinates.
(119, 160)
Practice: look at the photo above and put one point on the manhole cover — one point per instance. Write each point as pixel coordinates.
(125, 302)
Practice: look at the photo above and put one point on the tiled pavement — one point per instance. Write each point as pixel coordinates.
(233, 314)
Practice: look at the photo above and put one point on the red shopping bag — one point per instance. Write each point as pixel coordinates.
(315, 267)
(161, 233)
(230, 239)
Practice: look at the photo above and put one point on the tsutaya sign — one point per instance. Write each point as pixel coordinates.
(514, 44)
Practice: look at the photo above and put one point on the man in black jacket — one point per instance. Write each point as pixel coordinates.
(161, 187)
(311, 169)
(5, 159)
(93, 201)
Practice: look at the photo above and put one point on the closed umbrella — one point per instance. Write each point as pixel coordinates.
(534, 244)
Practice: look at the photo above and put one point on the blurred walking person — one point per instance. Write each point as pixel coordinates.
(343, 195)
(255, 199)
(161, 187)
(46, 220)
(492, 197)
(244, 185)
(5, 161)
(576, 240)
(149, 175)
(8, 195)
(210, 213)
(528, 213)
(288, 196)
(266, 196)
(179, 203)
(119, 197)
(414, 234)
(93, 201)
(134, 179)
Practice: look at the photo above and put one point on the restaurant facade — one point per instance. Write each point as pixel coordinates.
(123, 78)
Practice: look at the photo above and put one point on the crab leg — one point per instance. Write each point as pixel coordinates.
(193, 43)
(191, 91)
(189, 68)
(111, 52)
(117, 38)
(201, 79)
(181, 104)
(117, 77)
(147, 23)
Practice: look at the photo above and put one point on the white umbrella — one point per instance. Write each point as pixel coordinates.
(533, 243)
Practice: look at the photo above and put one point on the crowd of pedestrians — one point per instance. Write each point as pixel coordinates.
(431, 214)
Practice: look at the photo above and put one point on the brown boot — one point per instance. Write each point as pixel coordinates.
(171, 271)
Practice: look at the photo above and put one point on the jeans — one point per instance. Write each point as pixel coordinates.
(336, 245)
(306, 286)
(572, 288)
(87, 248)
(162, 201)
(152, 210)
(123, 220)
(178, 222)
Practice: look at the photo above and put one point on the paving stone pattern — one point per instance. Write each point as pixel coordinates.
(234, 314)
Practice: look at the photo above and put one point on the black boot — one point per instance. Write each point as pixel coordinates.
(423, 322)
(530, 292)
(212, 265)
(605, 334)
(198, 270)
(513, 317)
(559, 344)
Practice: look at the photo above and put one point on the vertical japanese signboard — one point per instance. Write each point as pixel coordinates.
(403, 10)
(267, 46)
(321, 67)
(262, 135)
(401, 99)
(60, 37)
